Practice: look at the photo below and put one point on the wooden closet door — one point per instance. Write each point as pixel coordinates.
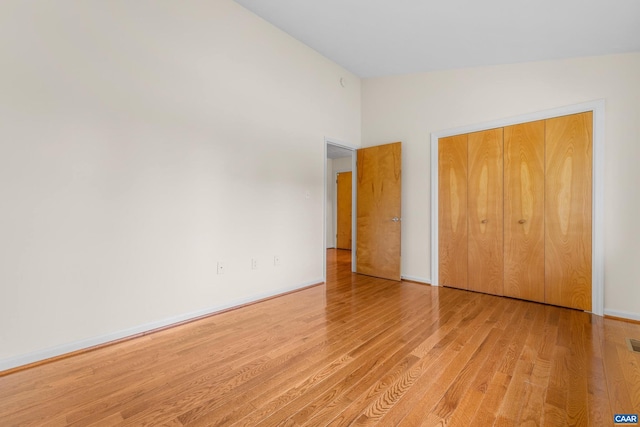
(452, 211)
(524, 211)
(568, 193)
(485, 203)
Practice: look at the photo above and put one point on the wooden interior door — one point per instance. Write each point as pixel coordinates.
(524, 211)
(343, 210)
(452, 211)
(568, 199)
(485, 213)
(379, 185)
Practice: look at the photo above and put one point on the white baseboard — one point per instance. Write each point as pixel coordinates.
(37, 356)
(417, 279)
(622, 314)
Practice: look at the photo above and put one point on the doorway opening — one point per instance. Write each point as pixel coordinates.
(339, 202)
(376, 203)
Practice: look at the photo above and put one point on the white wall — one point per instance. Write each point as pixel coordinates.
(141, 142)
(409, 108)
(343, 164)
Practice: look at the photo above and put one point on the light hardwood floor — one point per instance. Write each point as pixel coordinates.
(358, 350)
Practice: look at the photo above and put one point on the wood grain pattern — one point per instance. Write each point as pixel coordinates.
(524, 211)
(568, 199)
(452, 211)
(344, 210)
(379, 189)
(356, 351)
(485, 212)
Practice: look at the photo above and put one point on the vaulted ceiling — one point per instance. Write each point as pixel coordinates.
(383, 37)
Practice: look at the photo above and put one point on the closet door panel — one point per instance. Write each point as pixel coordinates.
(568, 199)
(452, 211)
(485, 202)
(524, 211)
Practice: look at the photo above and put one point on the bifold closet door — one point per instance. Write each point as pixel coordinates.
(568, 199)
(524, 211)
(485, 212)
(452, 211)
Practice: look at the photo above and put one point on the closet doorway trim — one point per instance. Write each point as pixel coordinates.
(597, 249)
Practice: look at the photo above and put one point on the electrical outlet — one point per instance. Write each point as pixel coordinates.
(254, 263)
(221, 267)
(276, 260)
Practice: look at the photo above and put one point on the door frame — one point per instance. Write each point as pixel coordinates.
(597, 230)
(332, 141)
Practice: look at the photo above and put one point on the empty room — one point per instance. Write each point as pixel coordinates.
(280, 213)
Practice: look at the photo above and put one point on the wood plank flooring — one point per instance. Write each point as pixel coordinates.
(356, 351)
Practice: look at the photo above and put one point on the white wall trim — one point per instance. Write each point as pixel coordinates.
(622, 314)
(598, 108)
(48, 353)
(338, 143)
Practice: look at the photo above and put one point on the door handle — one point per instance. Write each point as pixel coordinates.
(395, 219)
